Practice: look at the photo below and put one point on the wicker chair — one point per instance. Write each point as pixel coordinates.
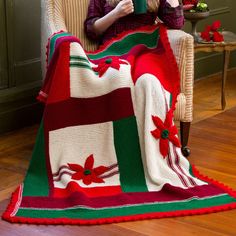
(69, 15)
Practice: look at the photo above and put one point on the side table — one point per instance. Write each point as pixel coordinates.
(226, 47)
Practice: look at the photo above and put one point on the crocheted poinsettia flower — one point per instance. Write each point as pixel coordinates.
(166, 132)
(88, 174)
(103, 65)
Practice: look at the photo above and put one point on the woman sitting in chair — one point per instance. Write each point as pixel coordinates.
(107, 18)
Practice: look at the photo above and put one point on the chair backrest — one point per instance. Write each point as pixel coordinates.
(75, 12)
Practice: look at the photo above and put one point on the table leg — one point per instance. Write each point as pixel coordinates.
(224, 77)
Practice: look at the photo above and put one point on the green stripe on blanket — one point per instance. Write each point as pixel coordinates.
(80, 65)
(78, 58)
(53, 43)
(83, 213)
(36, 180)
(123, 46)
(129, 155)
(80, 62)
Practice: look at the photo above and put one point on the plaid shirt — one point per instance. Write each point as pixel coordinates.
(172, 17)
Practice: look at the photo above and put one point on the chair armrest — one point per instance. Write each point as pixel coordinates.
(182, 45)
(52, 21)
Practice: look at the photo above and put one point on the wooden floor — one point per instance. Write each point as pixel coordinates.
(213, 146)
(207, 96)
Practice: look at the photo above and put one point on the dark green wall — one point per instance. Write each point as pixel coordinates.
(3, 49)
(211, 63)
(20, 70)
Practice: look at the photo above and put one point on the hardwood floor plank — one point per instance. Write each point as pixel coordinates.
(225, 178)
(207, 94)
(9, 179)
(7, 192)
(222, 224)
(163, 227)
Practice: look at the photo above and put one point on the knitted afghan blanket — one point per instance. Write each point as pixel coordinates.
(107, 149)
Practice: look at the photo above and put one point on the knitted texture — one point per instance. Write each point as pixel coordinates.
(107, 149)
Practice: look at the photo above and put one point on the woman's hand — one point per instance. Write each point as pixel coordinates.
(124, 7)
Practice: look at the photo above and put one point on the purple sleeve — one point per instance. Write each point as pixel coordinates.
(171, 16)
(95, 11)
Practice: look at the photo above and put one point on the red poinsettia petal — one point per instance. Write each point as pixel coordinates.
(164, 147)
(156, 133)
(89, 163)
(87, 179)
(77, 176)
(102, 70)
(205, 35)
(169, 119)
(115, 66)
(173, 130)
(100, 170)
(218, 37)
(96, 179)
(215, 25)
(75, 167)
(158, 122)
(175, 140)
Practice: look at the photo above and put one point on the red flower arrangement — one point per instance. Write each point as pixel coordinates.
(211, 32)
(105, 64)
(194, 2)
(189, 4)
(88, 174)
(166, 132)
(195, 5)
